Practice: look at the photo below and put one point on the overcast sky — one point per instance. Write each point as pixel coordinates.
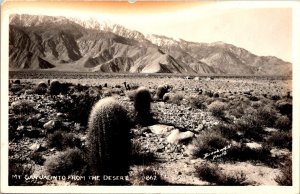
(262, 31)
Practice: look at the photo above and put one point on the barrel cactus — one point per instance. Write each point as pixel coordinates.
(162, 90)
(41, 88)
(55, 87)
(109, 140)
(142, 100)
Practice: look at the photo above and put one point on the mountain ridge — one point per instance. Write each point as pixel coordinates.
(60, 43)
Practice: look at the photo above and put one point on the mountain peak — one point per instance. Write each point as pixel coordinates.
(93, 44)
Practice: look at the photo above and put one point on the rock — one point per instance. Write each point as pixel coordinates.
(161, 129)
(35, 147)
(268, 129)
(20, 128)
(29, 91)
(160, 148)
(254, 145)
(60, 115)
(199, 128)
(49, 124)
(176, 136)
(279, 152)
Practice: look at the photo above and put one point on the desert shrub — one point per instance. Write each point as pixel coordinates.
(37, 157)
(286, 179)
(283, 123)
(22, 107)
(148, 176)
(281, 139)
(285, 108)
(117, 91)
(109, 140)
(275, 97)
(208, 141)
(77, 106)
(62, 140)
(16, 168)
(15, 87)
(216, 95)
(267, 115)
(209, 93)
(65, 88)
(197, 102)
(69, 162)
(237, 110)
(140, 156)
(131, 94)
(250, 126)
(213, 174)
(228, 131)
(253, 98)
(241, 152)
(217, 109)
(256, 104)
(174, 98)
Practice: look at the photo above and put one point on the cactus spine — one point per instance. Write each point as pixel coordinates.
(108, 139)
(142, 100)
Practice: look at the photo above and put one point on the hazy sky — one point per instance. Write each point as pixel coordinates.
(259, 29)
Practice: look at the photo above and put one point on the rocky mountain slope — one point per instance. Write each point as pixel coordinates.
(70, 44)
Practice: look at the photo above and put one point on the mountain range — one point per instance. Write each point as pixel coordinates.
(70, 44)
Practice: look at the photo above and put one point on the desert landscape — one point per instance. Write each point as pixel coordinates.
(95, 103)
(205, 130)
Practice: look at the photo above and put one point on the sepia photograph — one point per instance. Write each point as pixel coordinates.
(149, 93)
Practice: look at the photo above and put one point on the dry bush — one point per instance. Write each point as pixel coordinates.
(228, 131)
(23, 107)
(140, 156)
(37, 157)
(286, 179)
(62, 140)
(285, 107)
(174, 98)
(16, 168)
(213, 174)
(197, 102)
(77, 106)
(281, 139)
(283, 123)
(267, 115)
(69, 162)
(241, 152)
(217, 109)
(208, 141)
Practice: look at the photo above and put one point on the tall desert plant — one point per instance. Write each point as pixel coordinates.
(109, 140)
(142, 106)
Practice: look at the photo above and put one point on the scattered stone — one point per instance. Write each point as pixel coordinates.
(35, 147)
(176, 136)
(254, 145)
(161, 129)
(279, 152)
(20, 128)
(268, 129)
(49, 125)
(199, 128)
